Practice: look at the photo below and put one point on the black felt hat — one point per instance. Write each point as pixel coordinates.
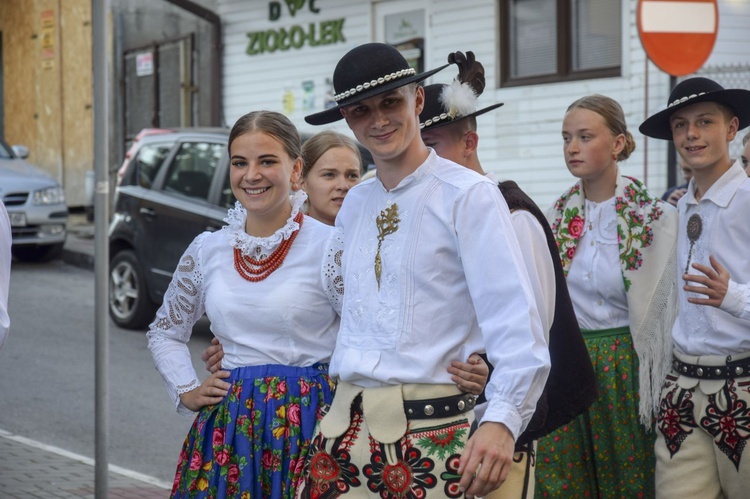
(446, 104)
(366, 71)
(693, 91)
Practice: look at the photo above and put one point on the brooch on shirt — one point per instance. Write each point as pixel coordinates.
(387, 223)
(694, 230)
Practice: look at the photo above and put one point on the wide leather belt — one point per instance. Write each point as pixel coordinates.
(732, 369)
(444, 407)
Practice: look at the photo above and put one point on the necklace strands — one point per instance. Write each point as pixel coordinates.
(254, 270)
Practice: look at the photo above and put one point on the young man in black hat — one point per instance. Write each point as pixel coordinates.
(448, 123)
(425, 282)
(704, 417)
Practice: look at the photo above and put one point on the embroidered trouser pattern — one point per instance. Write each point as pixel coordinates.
(422, 464)
(701, 439)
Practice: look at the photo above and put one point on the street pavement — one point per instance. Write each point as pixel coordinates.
(31, 470)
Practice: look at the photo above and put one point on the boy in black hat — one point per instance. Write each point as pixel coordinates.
(448, 123)
(704, 419)
(426, 281)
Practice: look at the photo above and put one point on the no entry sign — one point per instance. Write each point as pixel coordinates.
(678, 35)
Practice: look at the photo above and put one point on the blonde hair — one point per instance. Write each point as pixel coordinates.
(317, 145)
(614, 117)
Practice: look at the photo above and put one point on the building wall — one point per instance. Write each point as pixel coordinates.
(139, 23)
(47, 82)
(47, 69)
(520, 140)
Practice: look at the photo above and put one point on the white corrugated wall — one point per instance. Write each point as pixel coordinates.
(519, 141)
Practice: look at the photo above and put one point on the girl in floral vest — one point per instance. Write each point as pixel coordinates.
(617, 246)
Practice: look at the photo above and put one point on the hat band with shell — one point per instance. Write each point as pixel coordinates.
(685, 99)
(436, 119)
(374, 83)
(459, 98)
(695, 91)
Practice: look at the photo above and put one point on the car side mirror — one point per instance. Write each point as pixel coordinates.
(21, 151)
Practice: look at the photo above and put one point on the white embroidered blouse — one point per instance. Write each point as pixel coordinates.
(595, 278)
(452, 281)
(284, 319)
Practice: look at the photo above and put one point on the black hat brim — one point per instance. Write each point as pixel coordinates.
(444, 122)
(333, 114)
(658, 126)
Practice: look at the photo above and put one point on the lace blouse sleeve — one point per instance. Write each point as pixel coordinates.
(333, 277)
(169, 333)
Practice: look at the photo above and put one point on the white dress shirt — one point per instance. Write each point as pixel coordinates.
(536, 260)
(724, 209)
(595, 276)
(452, 282)
(6, 240)
(284, 319)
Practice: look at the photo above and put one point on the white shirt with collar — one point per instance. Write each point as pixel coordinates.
(452, 282)
(595, 276)
(723, 209)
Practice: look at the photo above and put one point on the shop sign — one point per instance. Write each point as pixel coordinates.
(295, 36)
(144, 64)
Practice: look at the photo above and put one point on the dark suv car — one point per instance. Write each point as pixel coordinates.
(174, 185)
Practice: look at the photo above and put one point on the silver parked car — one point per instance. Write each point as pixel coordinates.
(36, 206)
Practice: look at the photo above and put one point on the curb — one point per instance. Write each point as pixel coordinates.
(78, 259)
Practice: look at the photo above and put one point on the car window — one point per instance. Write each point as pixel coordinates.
(148, 160)
(227, 196)
(193, 167)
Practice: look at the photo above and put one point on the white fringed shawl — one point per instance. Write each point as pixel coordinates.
(647, 236)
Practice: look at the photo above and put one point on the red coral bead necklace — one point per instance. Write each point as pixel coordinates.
(255, 270)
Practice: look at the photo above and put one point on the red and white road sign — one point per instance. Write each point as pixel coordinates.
(678, 35)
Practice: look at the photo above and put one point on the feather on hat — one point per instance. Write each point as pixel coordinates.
(445, 104)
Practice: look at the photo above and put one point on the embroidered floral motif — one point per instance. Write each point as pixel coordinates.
(633, 228)
(451, 477)
(636, 210)
(410, 476)
(730, 425)
(568, 225)
(676, 419)
(443, 440)
(330, 475)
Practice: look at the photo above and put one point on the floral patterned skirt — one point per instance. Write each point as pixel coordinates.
(605, 452)
(254, 443)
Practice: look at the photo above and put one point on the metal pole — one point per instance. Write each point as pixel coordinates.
(100, 12)
(671, 151)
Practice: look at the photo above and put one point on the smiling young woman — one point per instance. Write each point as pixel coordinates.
(258, 280)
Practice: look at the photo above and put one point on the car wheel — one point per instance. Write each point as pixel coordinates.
(129, 304)
(33, 253)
